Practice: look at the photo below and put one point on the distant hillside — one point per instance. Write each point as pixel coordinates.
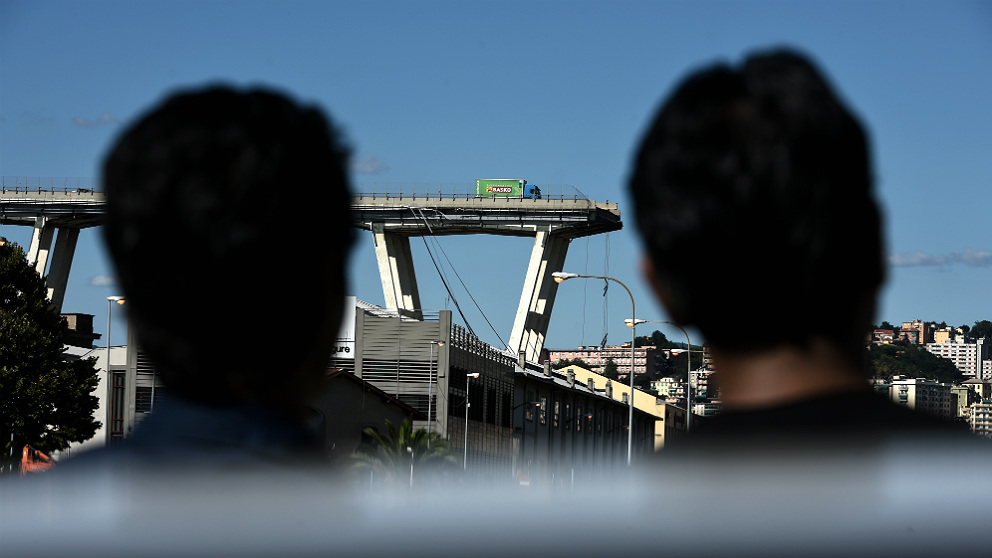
(905, 359)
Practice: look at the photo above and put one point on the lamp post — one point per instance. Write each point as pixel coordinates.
(688, 366)
(110, 379)
(410, 451)
(561, 276)
(430, 389)
(468, 382)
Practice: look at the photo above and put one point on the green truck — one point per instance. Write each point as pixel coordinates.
(505, 188)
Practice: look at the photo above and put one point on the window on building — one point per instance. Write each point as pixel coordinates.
(142, 399)
(491, 406)
(529, 408)
(544, 410)
(117, 407)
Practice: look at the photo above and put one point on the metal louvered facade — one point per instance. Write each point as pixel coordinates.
(395, 354)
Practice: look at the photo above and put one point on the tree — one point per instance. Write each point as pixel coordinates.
(402, 455)
(982, 330)
(902, 358)
(642, 382)
(657, 338)
(887, 325)
(45, 400)
(562, 363)
(610, 370)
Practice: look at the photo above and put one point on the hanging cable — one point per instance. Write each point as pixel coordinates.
(585, 289)
(418, 212)
(447, 288)
(464, 286)
(606, 288)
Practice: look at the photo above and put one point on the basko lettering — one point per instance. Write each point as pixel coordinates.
(499, 189)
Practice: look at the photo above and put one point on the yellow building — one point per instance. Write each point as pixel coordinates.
(670, 420)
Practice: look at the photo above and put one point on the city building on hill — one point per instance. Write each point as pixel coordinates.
(704, 385)
(883, 336)
(917, 332)
(981, 387)
(980, 420)
(668, 388)
(970, 357)
(919, 394)
(943, 335)
(963, 399)
(646, 358)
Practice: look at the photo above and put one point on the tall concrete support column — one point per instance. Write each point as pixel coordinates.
(58, 276)
(538, 297)
(399, 282)
(41, 244)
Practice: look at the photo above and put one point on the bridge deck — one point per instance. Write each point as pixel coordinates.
(405, 216)
(68, 208)
(419, 216)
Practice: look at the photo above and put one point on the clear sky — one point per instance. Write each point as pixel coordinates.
(551, 92)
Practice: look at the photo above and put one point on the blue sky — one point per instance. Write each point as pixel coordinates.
(551, 92)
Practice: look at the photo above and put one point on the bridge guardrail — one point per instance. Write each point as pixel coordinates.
(451, 190)
(68, 184)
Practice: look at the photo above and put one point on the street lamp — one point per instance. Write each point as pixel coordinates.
(110, 378)
(688, 366)
(561, 276)
(468, 382)
(430, 389)
(410, 451)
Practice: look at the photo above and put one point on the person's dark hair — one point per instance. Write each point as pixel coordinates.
(752, 194)
(229, 225)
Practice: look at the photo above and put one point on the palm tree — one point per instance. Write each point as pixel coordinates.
(400, 454)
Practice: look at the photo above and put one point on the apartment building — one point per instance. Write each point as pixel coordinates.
(981, 419)
(920, 394)
(646, 358)
(970, 357)
(917, 332)
(883, 336)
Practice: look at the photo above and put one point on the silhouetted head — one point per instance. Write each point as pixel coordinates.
(229, 225)
(752, 194)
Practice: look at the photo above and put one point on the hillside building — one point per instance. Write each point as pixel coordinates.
(970, 357)
(917, 332)
(919, 394)
(646, 358)
(980, 420)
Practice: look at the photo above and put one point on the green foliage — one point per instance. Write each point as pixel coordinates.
(642, 382)
(676, 365)
(390, 456)
(46, 400)
(887, 325)
(906, 359)
(658, 339)
(982, 330)
(610, 370)
(562, 363)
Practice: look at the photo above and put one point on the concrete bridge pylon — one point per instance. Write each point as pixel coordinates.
(538, 297)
